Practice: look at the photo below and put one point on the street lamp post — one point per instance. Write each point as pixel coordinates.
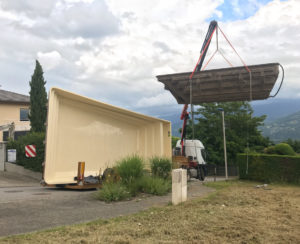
(224, 139)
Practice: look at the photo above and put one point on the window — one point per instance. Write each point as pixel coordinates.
(24, 114)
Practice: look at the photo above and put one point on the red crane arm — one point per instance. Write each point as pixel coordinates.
(185, 114)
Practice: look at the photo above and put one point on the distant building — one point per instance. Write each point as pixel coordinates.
(14, 107)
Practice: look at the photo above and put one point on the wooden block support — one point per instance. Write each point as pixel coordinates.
(179, 186)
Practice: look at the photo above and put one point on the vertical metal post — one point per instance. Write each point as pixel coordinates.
(215, 173)
(192, 108)
(80, 173)
(193, 128)
(225, 151)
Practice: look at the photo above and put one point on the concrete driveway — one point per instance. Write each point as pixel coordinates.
(27, 209)
(8, 179)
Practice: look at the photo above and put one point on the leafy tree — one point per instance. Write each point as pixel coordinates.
(241, 129)
(295, 144)
(38, 100)
(174, 141)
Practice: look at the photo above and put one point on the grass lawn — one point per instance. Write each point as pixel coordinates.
(236, 213)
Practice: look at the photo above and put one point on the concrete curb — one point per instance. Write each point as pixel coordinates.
(14, 168)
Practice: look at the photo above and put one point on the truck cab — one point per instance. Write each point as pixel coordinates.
(194, 150)
(193, 158)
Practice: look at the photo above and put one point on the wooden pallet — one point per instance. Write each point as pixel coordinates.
(222, 85)
(75, 186)
(178, 161)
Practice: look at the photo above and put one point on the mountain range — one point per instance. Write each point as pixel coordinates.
(283, 128)
(282, 121)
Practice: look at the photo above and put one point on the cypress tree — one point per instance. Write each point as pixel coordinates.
(38, 100)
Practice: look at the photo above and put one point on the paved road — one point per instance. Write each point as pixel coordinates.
(25, 206)
(26, 209)
(8, 179)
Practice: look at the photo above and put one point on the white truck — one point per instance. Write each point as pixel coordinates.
(193, 159)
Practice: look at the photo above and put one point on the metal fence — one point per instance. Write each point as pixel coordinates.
(216, 170)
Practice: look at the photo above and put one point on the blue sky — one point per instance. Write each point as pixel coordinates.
(239, 9)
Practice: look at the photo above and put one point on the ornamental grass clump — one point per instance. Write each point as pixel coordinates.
(130, 169)
(112, 192)
(133, 179)
(154, 185)
(161, 167)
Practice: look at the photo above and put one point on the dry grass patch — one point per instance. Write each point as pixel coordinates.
(236, 213)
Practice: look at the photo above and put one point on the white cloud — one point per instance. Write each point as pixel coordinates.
(49, 60)
(62, 19)
(112, 50)
(162, 99)
(271, 36)
(32, 8)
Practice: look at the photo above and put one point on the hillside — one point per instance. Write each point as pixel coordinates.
(280, 123)
(283, 128)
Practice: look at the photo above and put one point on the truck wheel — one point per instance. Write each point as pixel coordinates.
(189, 175)
(201, 174)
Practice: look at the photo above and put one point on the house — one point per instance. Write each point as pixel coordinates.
(14, 107)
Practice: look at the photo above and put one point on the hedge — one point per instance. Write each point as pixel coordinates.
(33, 138)
(269, 168)
(281, 149)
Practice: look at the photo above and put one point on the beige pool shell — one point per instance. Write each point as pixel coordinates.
(83, 129)
(223, 85)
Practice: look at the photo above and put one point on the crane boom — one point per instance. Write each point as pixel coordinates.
(185, 114)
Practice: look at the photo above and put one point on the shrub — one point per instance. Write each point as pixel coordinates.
(269, 168)
(284, 149)
(174, 141)
(135, 186)
(295, 144)
(112, 192)
(134, 179)
(110, 175)
(33, 138)
(270, 150)
(130, 168)
(154, 185)
(161, 167)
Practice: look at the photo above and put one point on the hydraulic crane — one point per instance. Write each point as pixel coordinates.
(185, 114)
(193, 150)
(209, 87)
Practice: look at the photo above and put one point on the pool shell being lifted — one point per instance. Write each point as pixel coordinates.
(223, 85)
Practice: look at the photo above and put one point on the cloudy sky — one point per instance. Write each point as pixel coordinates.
(112, 50)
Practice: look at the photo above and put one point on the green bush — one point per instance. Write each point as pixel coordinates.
(130, 168)
(284, 149)
(161, 167)
(174, 141)
(135, 187)
(154, 185)
(270, 150)
(295, 144)
(112, 192)
(33, 138)
(134, 179)
(269, 168)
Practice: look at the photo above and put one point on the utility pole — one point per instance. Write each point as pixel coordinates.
(224, 139)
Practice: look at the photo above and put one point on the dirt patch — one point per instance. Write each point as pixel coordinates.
(239, 213)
